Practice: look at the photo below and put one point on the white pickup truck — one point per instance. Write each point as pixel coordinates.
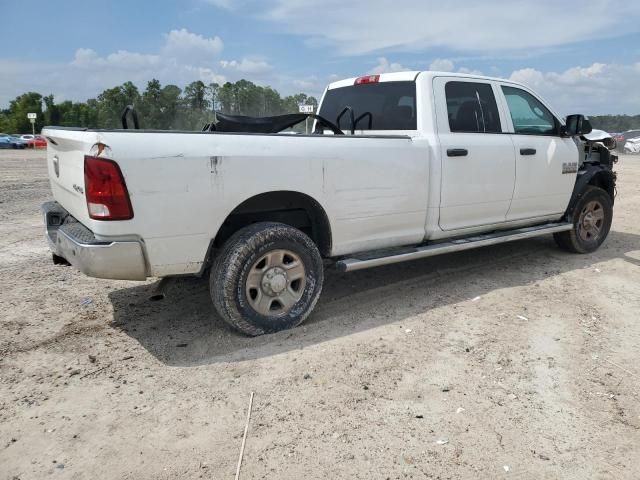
(430, 163)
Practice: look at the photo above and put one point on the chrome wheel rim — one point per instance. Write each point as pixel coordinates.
(275, 282)
(591, 221)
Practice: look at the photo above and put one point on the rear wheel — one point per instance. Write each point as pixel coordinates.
(591, 220)
(267, 277)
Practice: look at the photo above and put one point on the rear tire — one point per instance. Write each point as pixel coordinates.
(267, 277)
(591, 220)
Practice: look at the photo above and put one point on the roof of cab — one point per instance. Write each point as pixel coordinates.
(412, 76)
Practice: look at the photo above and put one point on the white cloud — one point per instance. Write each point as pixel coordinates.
(384, 66)
(85, 57)
(529, 76)
(246, 65)
(190, 47)
(595, 89)
(447, 65)
(469, 71)
(360, 27)
(311, 84)
(437, 65)
(441, 65)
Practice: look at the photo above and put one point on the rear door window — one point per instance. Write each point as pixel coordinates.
(528, 114)
(392, 106)
(472, 108)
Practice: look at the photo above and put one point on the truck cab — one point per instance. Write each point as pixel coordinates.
(500, 155)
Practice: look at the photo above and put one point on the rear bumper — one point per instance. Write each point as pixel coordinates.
(113, 259)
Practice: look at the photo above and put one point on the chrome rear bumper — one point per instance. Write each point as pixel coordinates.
(113, 259)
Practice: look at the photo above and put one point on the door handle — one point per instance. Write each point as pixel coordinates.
(457, 152)
(527, 151)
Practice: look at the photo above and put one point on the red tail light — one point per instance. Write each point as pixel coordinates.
(106, 192)
(367, 79)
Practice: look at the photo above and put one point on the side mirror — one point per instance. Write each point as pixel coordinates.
(577, 125)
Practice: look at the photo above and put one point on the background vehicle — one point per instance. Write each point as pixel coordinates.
(622, 138)
(432, 163)
(632, 146)
(38, 142)
(10, 141)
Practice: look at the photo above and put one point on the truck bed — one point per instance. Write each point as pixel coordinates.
(183, 185)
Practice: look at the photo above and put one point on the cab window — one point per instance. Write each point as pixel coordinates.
(528, 114)
(472, 108)
(391, 105)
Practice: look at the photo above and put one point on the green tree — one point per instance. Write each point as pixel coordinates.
(291, 102)
(195, 106)
(18, 122)
(151, 105)
(171, 104)
(615, 123)
(5, 122)
(51, 115)
(113, 101)
(226, 98)
(195, 96)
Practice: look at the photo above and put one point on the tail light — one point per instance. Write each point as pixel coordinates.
(367, 79)
(106, 192)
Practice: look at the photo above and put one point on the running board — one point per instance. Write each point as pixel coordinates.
(467, 243)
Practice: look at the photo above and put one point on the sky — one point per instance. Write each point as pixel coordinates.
(583, 57)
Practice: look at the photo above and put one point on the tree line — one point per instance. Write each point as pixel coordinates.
(159, 107)
(615, 123)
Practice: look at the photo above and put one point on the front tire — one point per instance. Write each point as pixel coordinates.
(267, 277)
(591, 218)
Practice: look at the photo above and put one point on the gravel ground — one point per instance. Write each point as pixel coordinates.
(513, 361)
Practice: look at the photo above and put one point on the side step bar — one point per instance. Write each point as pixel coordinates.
(457, 245)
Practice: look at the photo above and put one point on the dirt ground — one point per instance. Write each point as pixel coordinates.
(514, 361)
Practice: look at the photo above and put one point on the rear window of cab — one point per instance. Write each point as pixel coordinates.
(378, 106)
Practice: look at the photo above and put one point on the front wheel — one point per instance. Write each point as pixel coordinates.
(591, 220)
(267, 277)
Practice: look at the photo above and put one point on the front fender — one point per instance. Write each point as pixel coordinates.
(592, 175)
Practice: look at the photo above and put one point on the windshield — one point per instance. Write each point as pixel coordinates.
(392, 106)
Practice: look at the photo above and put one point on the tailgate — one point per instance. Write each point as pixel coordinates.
(65, 163)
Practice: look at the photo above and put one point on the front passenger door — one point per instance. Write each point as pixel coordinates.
(546, 162)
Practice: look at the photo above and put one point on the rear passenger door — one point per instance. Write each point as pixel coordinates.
(546, 162)
(478, 159)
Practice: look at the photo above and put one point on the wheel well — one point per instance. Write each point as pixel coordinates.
(604, 181)
(291, 208)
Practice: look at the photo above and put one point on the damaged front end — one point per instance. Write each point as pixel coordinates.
(599, 149)
(596, 165)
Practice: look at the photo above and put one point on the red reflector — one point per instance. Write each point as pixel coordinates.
(367, 79)
(106, 192)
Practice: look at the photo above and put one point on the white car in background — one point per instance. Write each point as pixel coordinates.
(632, 145)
